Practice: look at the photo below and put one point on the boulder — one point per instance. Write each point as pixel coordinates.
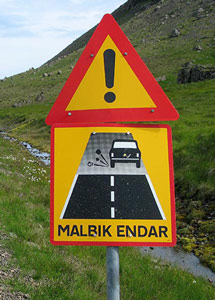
(157, 8)
(161, 78)
(193, 73)
(175, 33)
(40, 97)
(15, 105)
(198, 48)
(200, 10)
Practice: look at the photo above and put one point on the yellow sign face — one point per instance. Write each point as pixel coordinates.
(124, 84)
(112, 186)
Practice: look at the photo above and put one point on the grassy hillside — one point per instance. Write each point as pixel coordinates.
(26, 99)
(32, 268)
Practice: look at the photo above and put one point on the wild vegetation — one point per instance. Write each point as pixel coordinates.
(32, 268)
(25, 101)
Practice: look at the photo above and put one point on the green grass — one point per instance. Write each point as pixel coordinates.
(27, 123)
(193, 133)
(65, 272)
(193, 136)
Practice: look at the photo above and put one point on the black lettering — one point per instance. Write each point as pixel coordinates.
(81, 231)
(92, 230)
(142, 231)
(132, 233)
(163, 230)
(99, 230)
(60, 228)
(106, 230)
(152, 231)
(74, 230)
(120, 231)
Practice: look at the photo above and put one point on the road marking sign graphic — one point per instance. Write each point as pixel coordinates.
(110, 82)
(128, 173)
(114, 187)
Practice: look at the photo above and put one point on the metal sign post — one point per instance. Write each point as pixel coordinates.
(112, 262)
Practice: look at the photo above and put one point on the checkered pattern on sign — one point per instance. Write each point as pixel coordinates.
(93, 163)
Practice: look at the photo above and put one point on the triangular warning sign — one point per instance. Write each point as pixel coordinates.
(128, 90)
(110, 83)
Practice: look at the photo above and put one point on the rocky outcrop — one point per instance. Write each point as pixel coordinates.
(193, 73)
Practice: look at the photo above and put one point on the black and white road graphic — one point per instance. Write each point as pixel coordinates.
(112, 182)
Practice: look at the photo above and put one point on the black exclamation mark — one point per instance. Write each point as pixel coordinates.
(109, 63)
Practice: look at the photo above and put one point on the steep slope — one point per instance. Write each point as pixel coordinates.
(26, 99)
(121, 15)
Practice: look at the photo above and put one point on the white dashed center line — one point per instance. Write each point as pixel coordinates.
(112, 212)
(112, 181)
(112, 197)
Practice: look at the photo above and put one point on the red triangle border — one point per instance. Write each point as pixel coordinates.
(164, 111)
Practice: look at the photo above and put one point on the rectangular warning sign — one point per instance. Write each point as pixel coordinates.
(112, 185)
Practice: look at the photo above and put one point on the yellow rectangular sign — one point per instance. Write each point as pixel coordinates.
(112, 185)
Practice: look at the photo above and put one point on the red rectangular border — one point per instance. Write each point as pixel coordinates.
(172, 187)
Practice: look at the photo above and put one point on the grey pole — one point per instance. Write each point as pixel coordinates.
(112, 261)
